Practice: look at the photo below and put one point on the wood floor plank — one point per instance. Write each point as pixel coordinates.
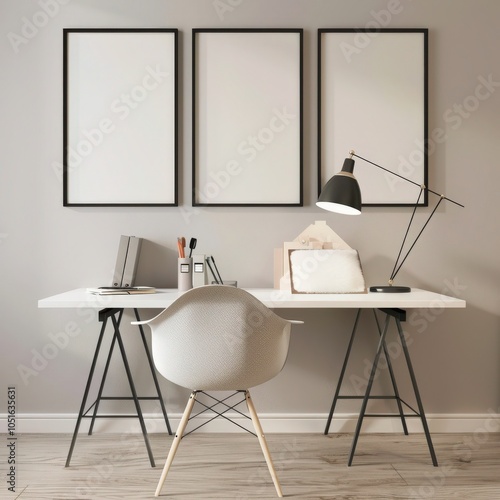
(219, 466)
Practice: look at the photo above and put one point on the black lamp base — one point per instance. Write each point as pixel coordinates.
(390, 289)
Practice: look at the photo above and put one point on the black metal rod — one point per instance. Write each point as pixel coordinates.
(85, 394)
(153, 373)
(128, 398)
(220, 414)
(212, 271)
(368, 390)
(416, 239)
(394, 272)
(221, 402)
(132, 389)
(393, 379)
(408, 180)
(371, 397)
(101, 386)
(342, 373)
(105, 373)
(108, 415)
(417, 394)
(217, 270)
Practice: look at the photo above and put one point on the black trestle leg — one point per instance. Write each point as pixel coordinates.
(86, 393)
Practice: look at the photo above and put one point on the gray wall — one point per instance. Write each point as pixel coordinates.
(46, 249)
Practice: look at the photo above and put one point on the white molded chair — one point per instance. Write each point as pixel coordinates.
(219, 338)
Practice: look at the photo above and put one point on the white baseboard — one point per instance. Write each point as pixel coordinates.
(271, 423)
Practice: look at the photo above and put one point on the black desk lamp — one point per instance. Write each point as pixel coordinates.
(341, 194)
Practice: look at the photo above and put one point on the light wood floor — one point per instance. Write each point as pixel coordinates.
(388, 466)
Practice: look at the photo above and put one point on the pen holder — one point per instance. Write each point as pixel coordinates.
(200, 277)
(184, 274)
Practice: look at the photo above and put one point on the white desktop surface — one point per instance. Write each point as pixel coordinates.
(276, 299)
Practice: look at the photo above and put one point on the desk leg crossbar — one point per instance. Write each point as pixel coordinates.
(399, 316)
(116, 317)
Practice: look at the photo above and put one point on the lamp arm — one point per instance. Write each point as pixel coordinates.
(352, 153)
(394, 272)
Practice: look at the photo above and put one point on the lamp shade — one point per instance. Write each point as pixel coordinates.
(341, 193)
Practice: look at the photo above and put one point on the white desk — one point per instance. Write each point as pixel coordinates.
(393, 305)
(275, 299)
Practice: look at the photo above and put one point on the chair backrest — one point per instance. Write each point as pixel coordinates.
(219, 337)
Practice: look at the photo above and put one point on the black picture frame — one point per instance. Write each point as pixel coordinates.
(247, 117)
(120, 125)
(373, 99)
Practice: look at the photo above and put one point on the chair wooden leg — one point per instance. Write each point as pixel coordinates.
(177, 439)
(263, 443)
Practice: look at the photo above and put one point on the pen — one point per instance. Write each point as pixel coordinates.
(211, 270)
(218, 274)
(183, 246)
(181, 243)
(192, 245)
